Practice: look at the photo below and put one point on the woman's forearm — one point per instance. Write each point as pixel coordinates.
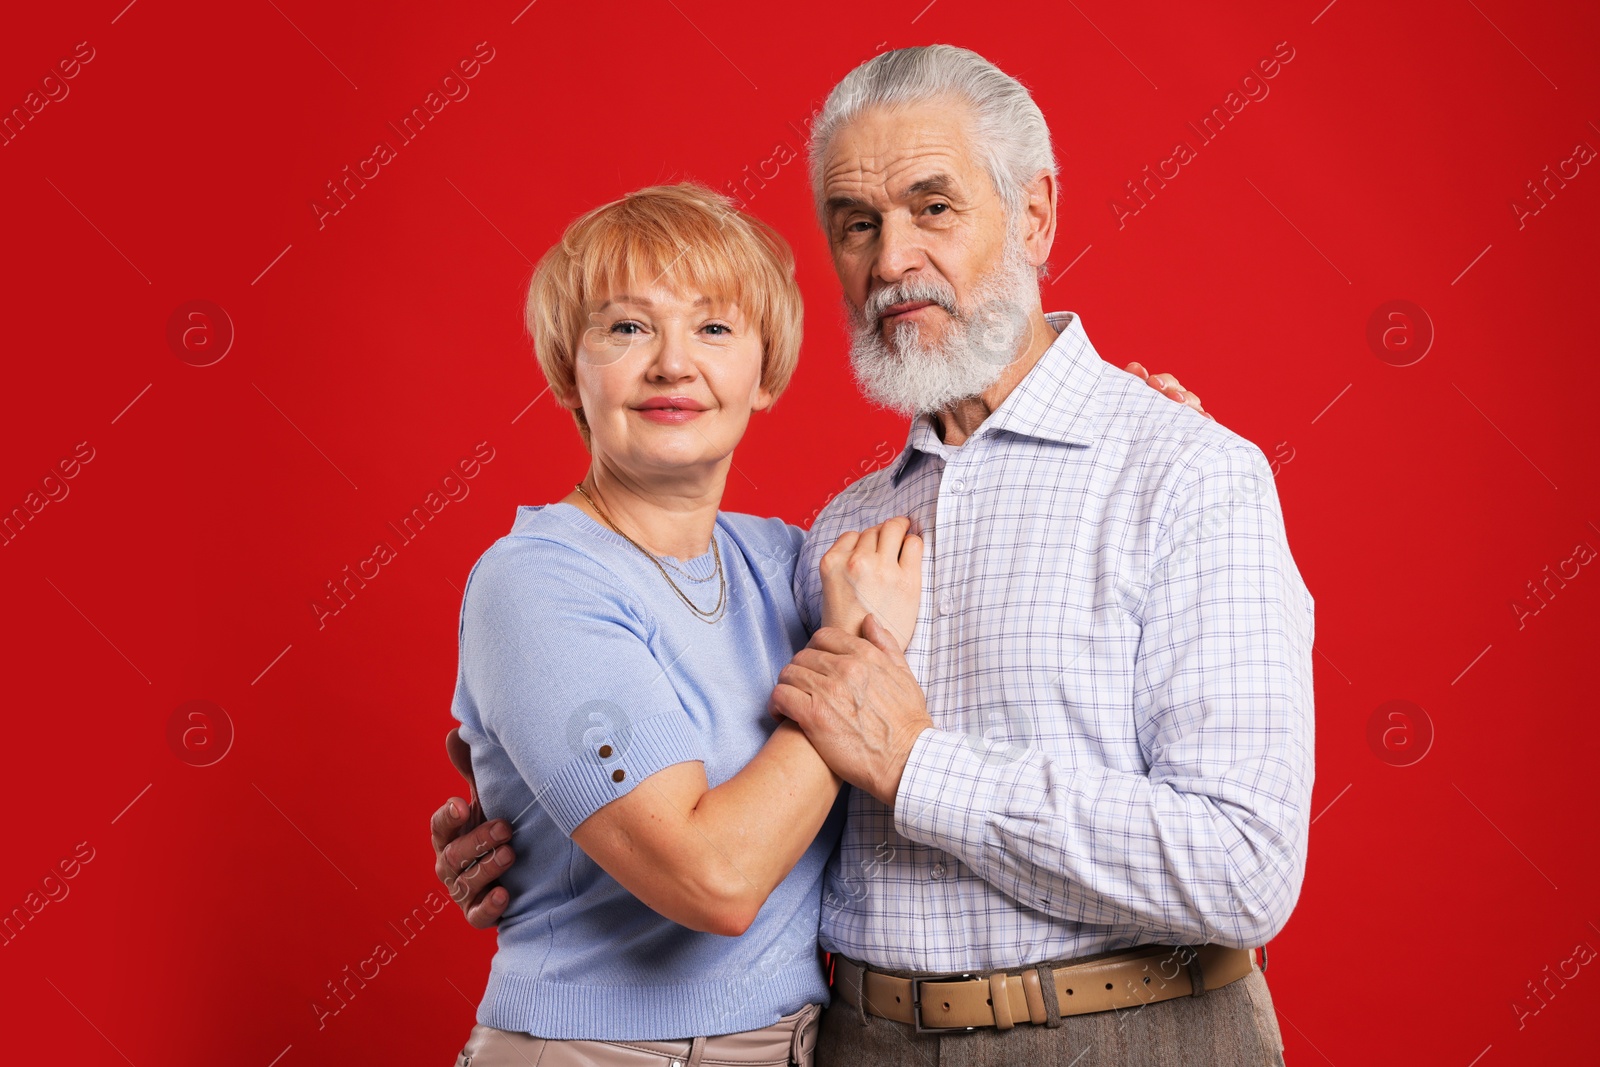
(709, 858)
(760, 822)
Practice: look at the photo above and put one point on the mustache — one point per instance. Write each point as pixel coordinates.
(927, 289)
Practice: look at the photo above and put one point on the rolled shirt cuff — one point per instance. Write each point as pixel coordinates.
(946, 790)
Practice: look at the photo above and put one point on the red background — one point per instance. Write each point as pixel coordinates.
(373, 353)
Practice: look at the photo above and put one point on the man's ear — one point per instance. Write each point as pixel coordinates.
(1039, 217)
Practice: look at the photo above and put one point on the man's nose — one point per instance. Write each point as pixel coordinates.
(899, 250)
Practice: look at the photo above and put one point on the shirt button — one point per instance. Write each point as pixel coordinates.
(960, 485)
(938, 871)
(947, 605)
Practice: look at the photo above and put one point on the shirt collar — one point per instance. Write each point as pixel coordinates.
(1055, 401)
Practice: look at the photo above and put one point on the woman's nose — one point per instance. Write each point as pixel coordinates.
(672, 358)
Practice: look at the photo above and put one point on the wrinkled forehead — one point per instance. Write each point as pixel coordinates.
(890, 149)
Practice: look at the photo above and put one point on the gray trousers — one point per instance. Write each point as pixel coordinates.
(1232, 1026)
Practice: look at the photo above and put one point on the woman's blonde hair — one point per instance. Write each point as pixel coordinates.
(684, 236)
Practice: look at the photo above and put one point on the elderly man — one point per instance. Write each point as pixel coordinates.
(1081, 796)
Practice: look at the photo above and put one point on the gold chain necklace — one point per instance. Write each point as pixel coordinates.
(712, 616)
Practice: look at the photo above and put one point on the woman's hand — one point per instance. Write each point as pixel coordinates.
(876, 572)
(1168, 386)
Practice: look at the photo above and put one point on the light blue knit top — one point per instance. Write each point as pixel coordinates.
(581, 674)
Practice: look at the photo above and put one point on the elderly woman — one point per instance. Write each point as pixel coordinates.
(617, 652)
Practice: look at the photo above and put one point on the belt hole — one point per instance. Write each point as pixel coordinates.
(1147, 981)
(947, 1005)
(1108, 985)
(897, 1000)
(1069, 992)
(989, 1001)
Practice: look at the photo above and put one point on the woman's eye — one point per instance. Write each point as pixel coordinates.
(627, 327)
(720, 329)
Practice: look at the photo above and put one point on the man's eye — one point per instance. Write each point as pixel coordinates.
(859, 226)
(938, 208)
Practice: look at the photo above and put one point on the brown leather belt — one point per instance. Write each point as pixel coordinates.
(1142, 975)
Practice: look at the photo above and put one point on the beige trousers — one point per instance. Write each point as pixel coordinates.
(790, 1040)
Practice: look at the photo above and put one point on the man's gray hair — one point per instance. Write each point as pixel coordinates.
(1009, 132)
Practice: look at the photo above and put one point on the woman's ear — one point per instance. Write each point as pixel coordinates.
(763, 399)
(568, 398)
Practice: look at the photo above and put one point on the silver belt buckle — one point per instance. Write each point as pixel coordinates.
(916, 1005)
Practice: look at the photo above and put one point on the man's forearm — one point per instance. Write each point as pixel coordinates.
(1106, 847)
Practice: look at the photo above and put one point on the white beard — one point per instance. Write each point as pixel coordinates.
(914, 377)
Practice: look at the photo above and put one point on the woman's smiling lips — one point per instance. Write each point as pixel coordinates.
(670, 409)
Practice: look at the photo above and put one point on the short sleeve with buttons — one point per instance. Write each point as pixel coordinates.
(560, 667)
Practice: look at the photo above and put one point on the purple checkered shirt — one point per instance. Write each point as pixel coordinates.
(1115, 644)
